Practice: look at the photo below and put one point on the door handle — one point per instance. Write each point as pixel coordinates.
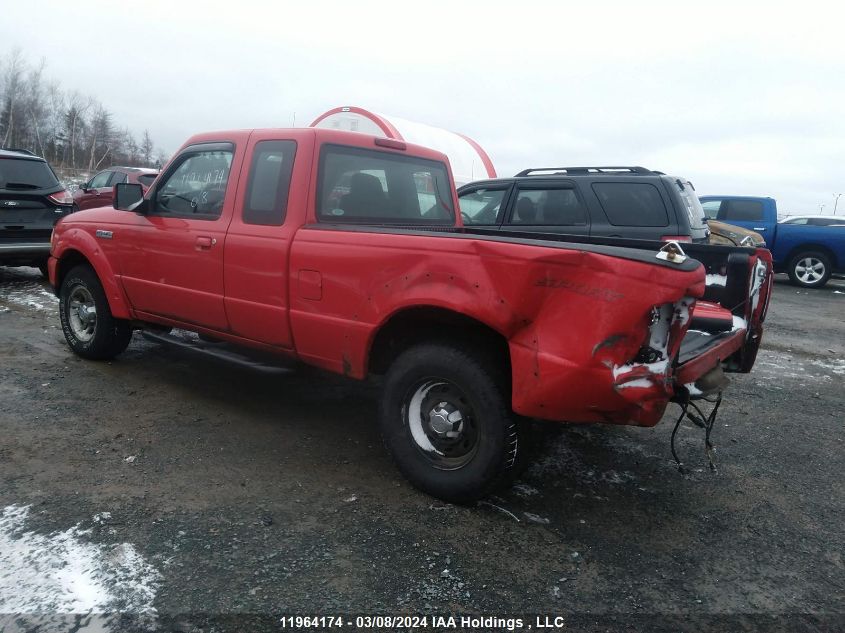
(759, 228)
(205, 242)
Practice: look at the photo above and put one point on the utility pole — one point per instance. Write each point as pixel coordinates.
(835, 202)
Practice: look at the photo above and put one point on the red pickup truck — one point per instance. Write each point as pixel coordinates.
(344, 251)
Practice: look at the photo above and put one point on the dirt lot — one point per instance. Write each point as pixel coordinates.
(212, 498)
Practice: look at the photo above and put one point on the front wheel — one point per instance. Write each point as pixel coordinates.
(87, 322)
(810, 269)
(447, 422)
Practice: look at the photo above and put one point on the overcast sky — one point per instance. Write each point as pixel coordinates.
(739, 97)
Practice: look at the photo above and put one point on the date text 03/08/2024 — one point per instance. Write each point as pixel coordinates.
(486, 623)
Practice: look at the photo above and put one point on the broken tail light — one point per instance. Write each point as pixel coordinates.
(651, 366)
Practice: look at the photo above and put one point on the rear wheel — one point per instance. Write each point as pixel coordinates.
(87, 322)
(810, 269)
(447, 422)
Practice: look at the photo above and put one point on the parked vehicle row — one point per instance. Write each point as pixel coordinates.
(347, 252)
(32, 201)
(808, 248)
(98, 192)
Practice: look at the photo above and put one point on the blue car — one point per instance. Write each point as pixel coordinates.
(807, 248)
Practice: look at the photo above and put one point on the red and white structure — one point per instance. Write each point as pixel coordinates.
(468, 159)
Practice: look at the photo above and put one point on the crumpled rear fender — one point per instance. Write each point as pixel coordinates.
(573, 361)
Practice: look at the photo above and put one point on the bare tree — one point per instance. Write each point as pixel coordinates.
(101, 137)
(71, 129)
(147, 148)
(12, 78)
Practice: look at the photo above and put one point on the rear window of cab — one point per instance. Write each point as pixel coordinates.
(372, 187)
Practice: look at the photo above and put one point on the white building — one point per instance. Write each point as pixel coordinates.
(468, 159)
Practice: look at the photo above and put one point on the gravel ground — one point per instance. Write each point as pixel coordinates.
(190, 495)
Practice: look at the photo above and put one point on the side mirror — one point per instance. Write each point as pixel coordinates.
(129, 196)
(84, 187)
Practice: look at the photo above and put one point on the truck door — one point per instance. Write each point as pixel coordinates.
(268, 211)
(95, 192)
(172, 256)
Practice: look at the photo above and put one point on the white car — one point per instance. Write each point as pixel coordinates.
(815, 220)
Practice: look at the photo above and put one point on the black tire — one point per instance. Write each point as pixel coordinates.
(809, 269)
(105, 337)
(484, 452)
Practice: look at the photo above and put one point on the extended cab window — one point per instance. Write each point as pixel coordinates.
(269, 181)
(548, 206)
(366, 186)
(196, 187)
(117, 178)
(632, 203)
(481, 206)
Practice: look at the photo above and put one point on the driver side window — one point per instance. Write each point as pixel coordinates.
(100, 180)
(197, 187)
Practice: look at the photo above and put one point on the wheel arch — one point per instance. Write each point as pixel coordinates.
(72, 257)
(811, 247)
(412, 325)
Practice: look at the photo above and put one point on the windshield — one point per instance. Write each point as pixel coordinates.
(22, 174)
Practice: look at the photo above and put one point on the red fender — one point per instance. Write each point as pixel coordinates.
(77, 240)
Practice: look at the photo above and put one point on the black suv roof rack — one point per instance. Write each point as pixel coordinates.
(566, 171)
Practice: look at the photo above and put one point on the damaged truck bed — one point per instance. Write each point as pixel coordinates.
(344, 251)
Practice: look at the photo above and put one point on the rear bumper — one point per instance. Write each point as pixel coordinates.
(711, 357)
(24, 251)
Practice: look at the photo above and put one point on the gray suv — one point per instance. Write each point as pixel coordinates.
(627, 202)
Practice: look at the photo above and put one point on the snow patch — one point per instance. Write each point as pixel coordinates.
(693, 390)
(716, 280)
(524, 490)
(643, 383)
(63, 572)
(32, 296)
(836, 366)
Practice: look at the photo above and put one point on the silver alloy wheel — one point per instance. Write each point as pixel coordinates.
(82, 313)
(442, 423)
(809, 270)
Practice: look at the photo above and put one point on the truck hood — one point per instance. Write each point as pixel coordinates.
(722, 233)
